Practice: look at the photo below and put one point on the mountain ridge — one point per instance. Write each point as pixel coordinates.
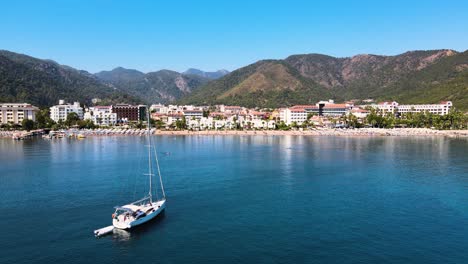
(410, 77)
(160, 86)
(357, 77)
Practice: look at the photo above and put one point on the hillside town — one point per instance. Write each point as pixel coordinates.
(323, 114)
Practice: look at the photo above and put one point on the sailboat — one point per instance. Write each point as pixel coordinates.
(145, 209)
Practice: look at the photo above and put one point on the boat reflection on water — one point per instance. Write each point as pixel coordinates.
(122, 235)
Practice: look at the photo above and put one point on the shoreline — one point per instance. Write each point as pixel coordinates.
(361, 132)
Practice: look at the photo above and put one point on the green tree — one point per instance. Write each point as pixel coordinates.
(43, 119)
(282, 126)
(353, 121)
(27, 124)
(181, 123)
(72, 119)
(89, 124)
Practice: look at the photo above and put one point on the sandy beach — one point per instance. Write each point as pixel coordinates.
(364, 132)
(330, 132)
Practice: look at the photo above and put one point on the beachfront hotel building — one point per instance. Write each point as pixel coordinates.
(101, 115)
(296, 114)
(60, 111)
(387, 107)
(299, 113)
(126, 112)
(439, 109)
(15, 113)
(393, 107)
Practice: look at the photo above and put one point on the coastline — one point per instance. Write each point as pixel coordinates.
(364, 132)
(361, 132)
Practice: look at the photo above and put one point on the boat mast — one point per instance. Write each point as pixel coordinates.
(149, 154)
(159, 172)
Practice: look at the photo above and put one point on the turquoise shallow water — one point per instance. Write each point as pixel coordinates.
(231, 199)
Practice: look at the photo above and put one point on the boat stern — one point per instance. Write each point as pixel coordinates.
(120, 224)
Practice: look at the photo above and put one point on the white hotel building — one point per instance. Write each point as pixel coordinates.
(16, 113)
(190, 114)
(393, 107)
(439, 109)
(60, 111)
(101, 115)
(299, 113)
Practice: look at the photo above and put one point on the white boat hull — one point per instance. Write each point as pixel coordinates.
(157, 208)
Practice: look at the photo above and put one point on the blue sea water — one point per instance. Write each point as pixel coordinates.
(238, 199)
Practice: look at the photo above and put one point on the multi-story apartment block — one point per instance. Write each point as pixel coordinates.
(126, 112)
(16, 113)
(101, 115)
(393, 107)
(60, 111)
(296, 114)
(299, 113)
(189, 114)
(440, 109)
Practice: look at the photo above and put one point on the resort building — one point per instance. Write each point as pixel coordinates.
(299, 113)
(359, 112)
(101, 115)
(335, 109)
(16, 113)
(173, 118)
(126, 113)
(158, 108)
(393, 107)
(387, 107)
(439, 109)
(296, 114)
(190, 114)
(234, 110)
(60, 111)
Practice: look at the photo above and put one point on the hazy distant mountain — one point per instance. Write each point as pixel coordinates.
(44, 82)
(209, 75)
(162, 86)
(411, 77)
(120, 74)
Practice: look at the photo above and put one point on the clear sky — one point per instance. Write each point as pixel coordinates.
(209, 35)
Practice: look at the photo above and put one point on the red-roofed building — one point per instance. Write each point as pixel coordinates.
(231, 109)
(335, 109)
(299, 113)
(359, 112)
(189, 114)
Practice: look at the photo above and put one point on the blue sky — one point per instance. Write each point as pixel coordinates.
(209, 35)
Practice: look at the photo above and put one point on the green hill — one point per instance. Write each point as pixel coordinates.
(44, 82)
(266, 83)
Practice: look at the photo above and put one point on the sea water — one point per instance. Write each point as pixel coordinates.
(233, 199)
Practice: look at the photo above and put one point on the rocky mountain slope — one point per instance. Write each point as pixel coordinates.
(416, 76)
